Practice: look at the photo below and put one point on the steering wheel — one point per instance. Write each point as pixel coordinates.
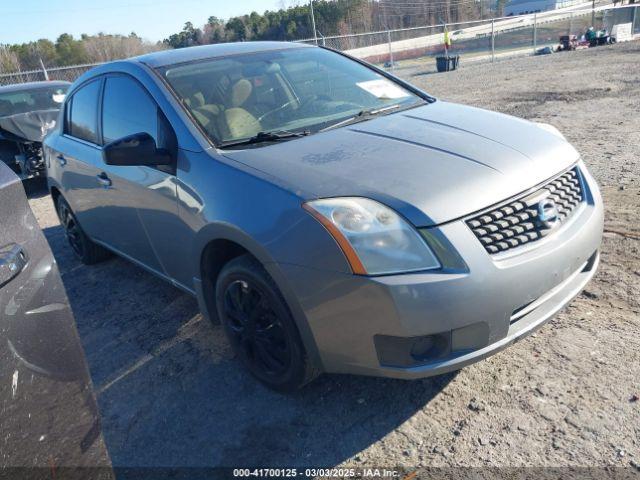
(275, 110)
(301, 104)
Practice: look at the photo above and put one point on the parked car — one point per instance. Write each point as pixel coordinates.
(48, 409)
(27, 112)
(333, 217)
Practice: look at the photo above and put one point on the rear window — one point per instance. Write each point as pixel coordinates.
(41, 98)
(82, 122)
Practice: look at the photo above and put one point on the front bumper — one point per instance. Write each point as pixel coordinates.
(472, 313)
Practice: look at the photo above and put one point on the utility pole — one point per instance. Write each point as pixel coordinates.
(593, 12)
(313, 23)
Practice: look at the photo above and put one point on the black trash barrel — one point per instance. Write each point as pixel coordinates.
(448, 62)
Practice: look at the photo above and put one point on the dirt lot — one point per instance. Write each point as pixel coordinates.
(170, 393)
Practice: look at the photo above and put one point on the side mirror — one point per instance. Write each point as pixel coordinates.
(135, 150)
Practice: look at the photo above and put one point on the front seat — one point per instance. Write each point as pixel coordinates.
(210, 110)
(240, 123)
(193, 103)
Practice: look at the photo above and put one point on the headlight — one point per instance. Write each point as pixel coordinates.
(374, 238)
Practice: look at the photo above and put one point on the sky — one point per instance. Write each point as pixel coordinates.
(27, 20)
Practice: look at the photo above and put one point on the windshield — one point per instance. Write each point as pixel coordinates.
(48, 98)
(290, 90)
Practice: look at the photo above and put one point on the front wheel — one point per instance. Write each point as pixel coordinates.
(259, 326)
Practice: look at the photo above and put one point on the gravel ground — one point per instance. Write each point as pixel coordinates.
(171, 394)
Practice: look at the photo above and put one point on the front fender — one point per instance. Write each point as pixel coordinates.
(225, 231)
(229, 232)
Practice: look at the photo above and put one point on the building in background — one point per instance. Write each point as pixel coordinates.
(521, 7)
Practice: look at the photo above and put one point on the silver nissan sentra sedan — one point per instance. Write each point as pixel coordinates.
(333, 217)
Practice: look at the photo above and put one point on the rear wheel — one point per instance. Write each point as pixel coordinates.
(259, 326)
(87, 251)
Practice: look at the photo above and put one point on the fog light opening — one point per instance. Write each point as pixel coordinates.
(412, 351)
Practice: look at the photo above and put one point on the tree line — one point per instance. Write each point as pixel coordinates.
(67, 50)
(332, 17)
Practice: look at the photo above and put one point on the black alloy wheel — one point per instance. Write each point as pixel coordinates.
(87, 251)
(256, 329)
(72, 230)
(260, 327)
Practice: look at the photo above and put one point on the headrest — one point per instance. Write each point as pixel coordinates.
(197, 100)
(240, 91)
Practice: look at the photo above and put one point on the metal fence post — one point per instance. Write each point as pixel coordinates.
(390, 50)
(493, 40)
(535, 33)
(44, 70)
(570, 23)
(313, 23)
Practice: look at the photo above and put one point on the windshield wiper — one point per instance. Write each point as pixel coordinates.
(362, 115)
(272, 136)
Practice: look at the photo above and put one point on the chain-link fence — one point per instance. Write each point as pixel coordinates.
(472, 41)
(57, 73)
(481, 39)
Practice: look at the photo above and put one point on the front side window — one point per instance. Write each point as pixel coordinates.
(298, 89)
(82, 120)
(127, 109)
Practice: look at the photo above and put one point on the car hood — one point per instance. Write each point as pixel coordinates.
(30, 126)
(432, 164)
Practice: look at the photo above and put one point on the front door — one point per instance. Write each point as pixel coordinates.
(148, 193)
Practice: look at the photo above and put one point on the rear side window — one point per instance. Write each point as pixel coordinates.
(83, 119)
(127, 109)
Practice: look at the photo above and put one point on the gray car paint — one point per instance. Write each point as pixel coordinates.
(433, 164)
(341, 308)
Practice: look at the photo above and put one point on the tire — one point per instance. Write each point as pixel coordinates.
(259, 326)
(87, 251)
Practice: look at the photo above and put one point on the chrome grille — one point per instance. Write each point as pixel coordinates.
(517, 222)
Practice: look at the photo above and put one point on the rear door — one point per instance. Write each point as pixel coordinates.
(76, 154)
(147, 193)
(103, 205)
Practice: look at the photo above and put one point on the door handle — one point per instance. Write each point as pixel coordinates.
(104, 180)
(12, 261)
(61, 160)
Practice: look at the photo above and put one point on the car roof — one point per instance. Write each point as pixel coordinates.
(19, 87)
(190, 54)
